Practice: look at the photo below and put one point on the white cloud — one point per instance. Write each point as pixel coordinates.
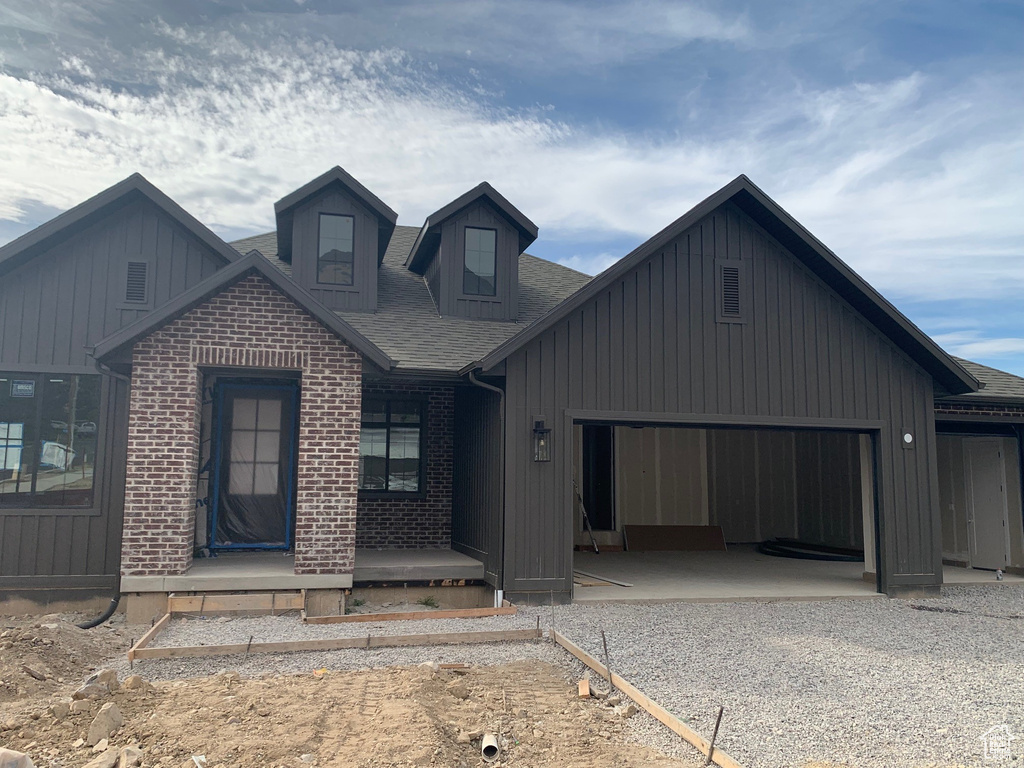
(913, 181)
(974, 346)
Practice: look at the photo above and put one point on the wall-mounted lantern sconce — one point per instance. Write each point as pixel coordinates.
(541, 440)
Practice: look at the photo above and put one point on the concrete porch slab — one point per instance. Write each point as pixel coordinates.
(267, 571)
(376, 565)
(238, 572)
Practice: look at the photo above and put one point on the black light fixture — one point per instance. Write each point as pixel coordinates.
(541, 440)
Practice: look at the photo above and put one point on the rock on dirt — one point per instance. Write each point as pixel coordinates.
(11, 759)
(107, 720)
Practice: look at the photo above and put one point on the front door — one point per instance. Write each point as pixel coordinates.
(986, 502)
(253, 465)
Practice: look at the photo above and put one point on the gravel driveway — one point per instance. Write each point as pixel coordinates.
(862, 683)
(858, 683)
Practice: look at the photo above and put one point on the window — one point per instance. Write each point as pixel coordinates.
(136, 289)
(335, 263)
(478, 275)
(389, 446)
(48, 433)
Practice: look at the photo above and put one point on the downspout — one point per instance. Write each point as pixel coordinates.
(499, 593)
(116, 597)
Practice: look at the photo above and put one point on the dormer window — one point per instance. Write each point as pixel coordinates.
(336, 256)
(478, 274)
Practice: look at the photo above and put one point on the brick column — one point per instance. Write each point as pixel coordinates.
(249, 326)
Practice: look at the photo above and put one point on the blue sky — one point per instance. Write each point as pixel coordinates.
(892, 130)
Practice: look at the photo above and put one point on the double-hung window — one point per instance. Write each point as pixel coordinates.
(390, 446)
(335, 264)
(48, 439)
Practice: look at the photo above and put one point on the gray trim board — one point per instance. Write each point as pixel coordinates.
(73, 581)
(649, 418)
(253, 263)
(792, 236)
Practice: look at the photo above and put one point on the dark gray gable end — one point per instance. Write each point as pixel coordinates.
(285, 207)
(427, 240)
(61, 227)
(252, 263)
(746, 196)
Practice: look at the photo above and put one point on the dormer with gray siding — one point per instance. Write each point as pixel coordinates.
(468, 252)
(334, 232)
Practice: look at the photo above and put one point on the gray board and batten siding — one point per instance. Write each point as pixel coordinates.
(59, 295)
(361, 296)
(647, 347)
(477, 479)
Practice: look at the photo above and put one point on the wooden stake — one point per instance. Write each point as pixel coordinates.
(714, 735)
(147, 638)
(607, 662)
(657, 711)
(584, 688)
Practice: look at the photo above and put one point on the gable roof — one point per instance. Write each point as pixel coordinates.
(61, 227)
(743, 193)
(996, 385)
(406, 324)
(250, 264)
(430, 232)
(285, 208)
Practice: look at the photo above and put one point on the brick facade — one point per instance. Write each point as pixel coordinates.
(247, 326)
(416, 523)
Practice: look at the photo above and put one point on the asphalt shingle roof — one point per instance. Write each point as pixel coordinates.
(406, 324)
(997, 384)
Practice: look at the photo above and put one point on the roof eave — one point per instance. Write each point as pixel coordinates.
(935, 360)
(48, 234)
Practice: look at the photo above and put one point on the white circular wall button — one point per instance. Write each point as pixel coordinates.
(908, 438)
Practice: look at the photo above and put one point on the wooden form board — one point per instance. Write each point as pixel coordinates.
(457, 613)
(674, 538)
(264, 602)
(339, 643)
(147, 638)
(661, 714)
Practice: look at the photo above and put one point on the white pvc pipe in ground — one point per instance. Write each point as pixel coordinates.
(489, 748)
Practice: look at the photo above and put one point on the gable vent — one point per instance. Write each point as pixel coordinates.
(731, 291)
(136, 282)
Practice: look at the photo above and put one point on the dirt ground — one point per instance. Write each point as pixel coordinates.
(388, 717)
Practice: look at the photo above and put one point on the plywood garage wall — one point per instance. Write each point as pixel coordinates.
(953, 498)
(756, 484)
(661, 476)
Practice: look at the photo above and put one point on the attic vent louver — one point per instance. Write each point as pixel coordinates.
(731, 291)
(136, 282)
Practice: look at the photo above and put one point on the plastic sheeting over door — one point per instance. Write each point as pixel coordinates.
(253, 472)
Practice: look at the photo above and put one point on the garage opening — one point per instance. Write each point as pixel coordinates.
(703, 513)
(979, 468)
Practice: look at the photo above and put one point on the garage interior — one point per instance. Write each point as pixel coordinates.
(740, 486)
(979, 468)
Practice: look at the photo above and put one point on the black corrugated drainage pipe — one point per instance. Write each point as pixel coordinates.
(105, 615)
(802, 550)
